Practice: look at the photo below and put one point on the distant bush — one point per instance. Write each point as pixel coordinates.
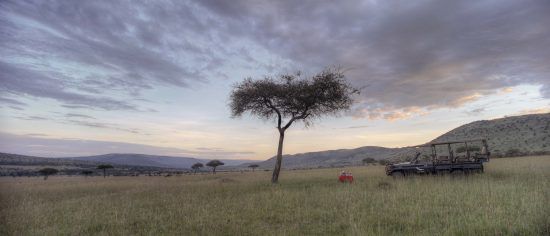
(368, 160)
(383, 162)
(86, 172)
(513, 152)
(47, 172)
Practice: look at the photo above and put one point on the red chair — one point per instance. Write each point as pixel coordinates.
(342, 178)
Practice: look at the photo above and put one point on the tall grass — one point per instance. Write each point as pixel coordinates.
(510, 198)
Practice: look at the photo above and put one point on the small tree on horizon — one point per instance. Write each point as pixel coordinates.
(292, 98)
(47, 172)
(214, 164)
(197, 166)
(104, 168)
(253, 166)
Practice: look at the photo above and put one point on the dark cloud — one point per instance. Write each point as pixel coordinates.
(475, 112)
(16, 108)
(31, 117)
(414, 55)
(354, 127)
(10, 101)
(71, 115)
(20, 81)
(104, 125)
(79, 50)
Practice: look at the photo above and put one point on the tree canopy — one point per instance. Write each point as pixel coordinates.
(214, 164)
(293, 97)
(253, 166)
(104, 167)
(197, 166)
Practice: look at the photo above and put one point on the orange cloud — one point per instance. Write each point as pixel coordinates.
(540, 110)
(391, 114)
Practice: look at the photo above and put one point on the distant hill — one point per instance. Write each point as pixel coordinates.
(125, 164)
(151, 160)
(517, 135)
(527, 134)
(124, 159)
(14, 159)
(336, 158)
(20, 165)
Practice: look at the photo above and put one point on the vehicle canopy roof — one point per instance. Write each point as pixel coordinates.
(450, 142)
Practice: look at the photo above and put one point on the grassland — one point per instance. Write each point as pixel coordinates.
(511, 198)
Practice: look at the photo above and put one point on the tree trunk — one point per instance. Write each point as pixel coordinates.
(275, 177)
(104, 173)
(214, 170)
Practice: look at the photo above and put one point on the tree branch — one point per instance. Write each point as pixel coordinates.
(301, 117)
(270, 105)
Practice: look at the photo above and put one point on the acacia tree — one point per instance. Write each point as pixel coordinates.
(253, 166)
(214, 164)
(197, 166)
(104, 168)
(291, 98)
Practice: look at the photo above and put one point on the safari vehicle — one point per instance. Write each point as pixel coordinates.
(457, 157)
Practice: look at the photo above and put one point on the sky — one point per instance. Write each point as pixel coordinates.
(154, 77)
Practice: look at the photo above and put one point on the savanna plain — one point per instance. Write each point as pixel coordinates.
(511, 198)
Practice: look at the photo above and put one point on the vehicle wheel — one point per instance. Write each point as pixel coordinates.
(398, 175)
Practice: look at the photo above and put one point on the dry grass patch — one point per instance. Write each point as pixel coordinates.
(509, 199)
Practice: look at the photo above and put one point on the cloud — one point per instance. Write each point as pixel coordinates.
(71, 115)
(20, 81)
(475, 111)
(427, 54)
(81, 53)
(354, 127)
(104, 125)
(540, 110)
(31, 117)
(415, 54)
(10, 101)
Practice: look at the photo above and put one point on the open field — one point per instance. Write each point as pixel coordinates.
(510, 198)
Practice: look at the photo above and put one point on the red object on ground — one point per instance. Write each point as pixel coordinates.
(342, 178)
(345, 178)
